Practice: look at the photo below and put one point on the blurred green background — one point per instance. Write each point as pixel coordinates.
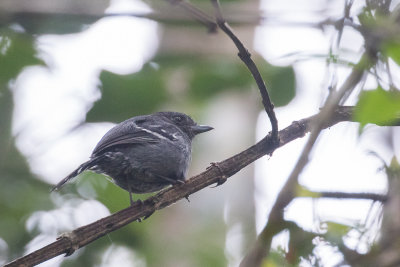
(192, 71)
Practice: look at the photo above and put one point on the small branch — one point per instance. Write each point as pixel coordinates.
(343, 195)
(84, 235)
(341, 24)
(245, 56)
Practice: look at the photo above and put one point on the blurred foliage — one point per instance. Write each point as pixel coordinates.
(300, 248)
(160, 81)
(189, 80)
(280, 81)
(122, 96)
(21, 193)
(392, 49)
(393, 170)
(302, 191)
(381, 30)
(336, 231)
(300, 244)
(47, 23)
(16, 52)
(377, 106)
(128, 95)
(276, 258)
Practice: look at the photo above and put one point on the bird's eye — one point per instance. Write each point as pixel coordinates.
(141, 121)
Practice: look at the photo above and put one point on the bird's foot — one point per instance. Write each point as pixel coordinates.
(187, 198)
(72, 238)
(138, 202)
(222, 179)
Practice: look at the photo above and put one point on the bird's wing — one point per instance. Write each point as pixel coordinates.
(126, 133)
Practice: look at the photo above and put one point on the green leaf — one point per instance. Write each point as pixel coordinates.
(336, 232)
(377, 106)
(300, 244)
(392, 49)
(338, 228)
(212, 77)
(393, 170)
(16, 52)
(275, 259)
(394, 164)
(280, 82)
(301, 191)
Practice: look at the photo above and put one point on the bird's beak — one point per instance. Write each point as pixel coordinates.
(197, 129)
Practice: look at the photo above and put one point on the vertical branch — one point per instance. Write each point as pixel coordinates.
(245, 56)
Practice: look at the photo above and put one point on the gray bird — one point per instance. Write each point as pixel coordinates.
(145, 153)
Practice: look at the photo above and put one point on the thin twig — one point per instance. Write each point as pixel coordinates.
(245, 56)
(344, 195)
(340, 26)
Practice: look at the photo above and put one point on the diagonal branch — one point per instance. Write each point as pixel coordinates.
(68, 243)
(245, 56)
(263, 243)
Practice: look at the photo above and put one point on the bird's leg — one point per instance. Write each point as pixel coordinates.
(169, 180)
(172, 181)
(130, 195)
(139, 201)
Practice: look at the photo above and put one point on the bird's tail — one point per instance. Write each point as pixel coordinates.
(84, 166)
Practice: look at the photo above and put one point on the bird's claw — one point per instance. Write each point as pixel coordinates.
(179, 182)
(71, 236)
(222, 179)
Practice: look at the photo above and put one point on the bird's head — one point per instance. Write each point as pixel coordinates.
(185, 123)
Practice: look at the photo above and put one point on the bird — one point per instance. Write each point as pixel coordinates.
(145, 153)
